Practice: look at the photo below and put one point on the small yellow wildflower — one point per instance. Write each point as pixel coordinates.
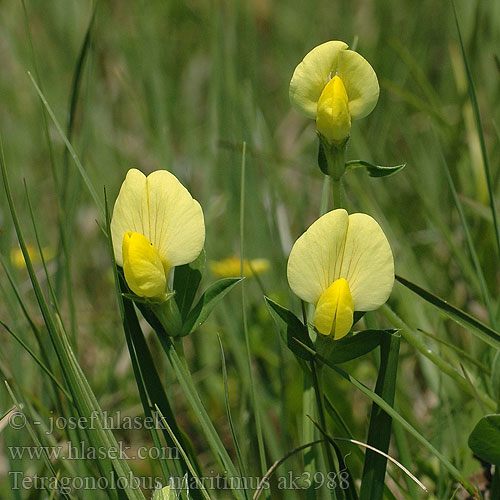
(17, 257)
(334, 86)
(341, 264)
(231, 266)
(156, 225)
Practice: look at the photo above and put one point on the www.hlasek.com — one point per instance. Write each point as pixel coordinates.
(80, 451)
(68, 485)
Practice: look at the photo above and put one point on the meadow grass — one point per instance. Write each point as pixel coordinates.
(184, 86)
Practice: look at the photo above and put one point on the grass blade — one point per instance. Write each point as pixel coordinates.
(241, 464)
(379, 432)
(476, 327)
(477, 118)
(184, 376)
(454, 472)
(72, 152)
(84, 399)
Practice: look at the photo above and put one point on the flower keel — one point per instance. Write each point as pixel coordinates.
(334, 310)
(145, 273)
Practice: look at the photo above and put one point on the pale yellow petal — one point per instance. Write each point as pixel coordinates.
(312, 74)
(177, 227)
(360, 82)
(315, 260)
(130, 210)
(162, 209)
(367, 264)
(142, 266)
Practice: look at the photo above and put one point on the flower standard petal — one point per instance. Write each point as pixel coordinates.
(177, 227)
(367, 264)
(315, 260)
(130, 210)
(160, 208)
(312, 74)
(143, 267)
(360, 82)
(340, 247)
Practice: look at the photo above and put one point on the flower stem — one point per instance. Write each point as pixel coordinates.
(338, 194)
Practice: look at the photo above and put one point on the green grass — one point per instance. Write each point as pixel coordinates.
(181, 86)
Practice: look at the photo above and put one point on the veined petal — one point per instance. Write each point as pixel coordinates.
(367, 264)
(360, 82)
(339, 245)
(143, 267)
(316, 257)
(162, 209)
(312, 74)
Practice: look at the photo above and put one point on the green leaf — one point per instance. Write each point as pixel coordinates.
(476, 327)
(379, 431)
(375, 170)
(215, 292)
(361, 343)
(187, 279)
(484, 440)
(495, 376)
(290, 327)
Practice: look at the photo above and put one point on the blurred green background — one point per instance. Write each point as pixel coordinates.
(180, 85)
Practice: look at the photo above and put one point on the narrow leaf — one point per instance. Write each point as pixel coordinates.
(375, 170)
(187, 279)
(476, 327)
(290, 328)
(207, 302)
(349, 348)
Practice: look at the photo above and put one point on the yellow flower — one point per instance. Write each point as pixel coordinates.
(156, 225)
(231, 266)
(341, 264)
(334, 86)
(17, 257)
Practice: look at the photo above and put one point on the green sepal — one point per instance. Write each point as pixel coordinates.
(187, 279)
(484, 440)
(169, 316)
(290, 328)
(357, 316)
(145, 300)
(374, 170)
(331, 157)
(322, 163)
(212, 295)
